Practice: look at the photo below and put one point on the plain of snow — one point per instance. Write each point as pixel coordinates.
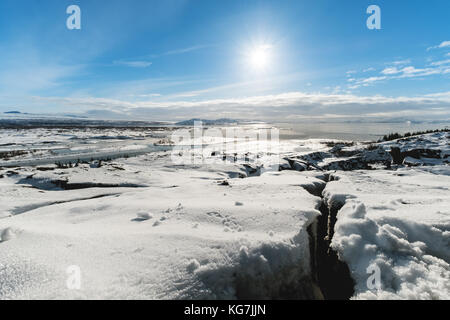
(147, 228)
(180, 234)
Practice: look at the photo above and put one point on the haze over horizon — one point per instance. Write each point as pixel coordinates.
(256, 60)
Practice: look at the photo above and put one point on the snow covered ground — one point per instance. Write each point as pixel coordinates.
(145, 227)
(20, 147)
(396, 221)
(177, 233)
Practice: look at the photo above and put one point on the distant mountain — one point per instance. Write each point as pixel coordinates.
(222, 121)
(66, 123)
(12, 112)
(43, 115)
(75, 116)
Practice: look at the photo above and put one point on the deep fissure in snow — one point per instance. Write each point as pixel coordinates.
(332, 275)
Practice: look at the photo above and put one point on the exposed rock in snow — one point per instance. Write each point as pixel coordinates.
(427, 149)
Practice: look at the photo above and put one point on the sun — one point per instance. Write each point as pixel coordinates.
(259, 57)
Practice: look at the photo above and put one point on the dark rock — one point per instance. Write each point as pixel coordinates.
(252, 171)
(299, 166)
(224, 183)
(45, 168)
(397, 156)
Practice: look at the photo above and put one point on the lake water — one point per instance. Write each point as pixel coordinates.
(351, 131)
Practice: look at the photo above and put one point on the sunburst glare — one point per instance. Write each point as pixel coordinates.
(259, 57)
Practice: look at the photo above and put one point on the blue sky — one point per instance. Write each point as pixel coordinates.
(175, 59)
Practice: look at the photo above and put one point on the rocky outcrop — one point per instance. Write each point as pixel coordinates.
(399, 156)
(360, 159)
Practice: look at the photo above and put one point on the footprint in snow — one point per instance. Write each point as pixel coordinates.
(214, 214)
(7, 234)
(143, 216)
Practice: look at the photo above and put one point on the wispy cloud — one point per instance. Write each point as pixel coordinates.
(440, 68)
(290, 104)
(144, 61)
(400, 62)
(133, 64)
(24, 76)
(373, 79)
(440, 63)
(443, 44)
(391, 70)
(401, 70)
(186, 50)
(146, 95)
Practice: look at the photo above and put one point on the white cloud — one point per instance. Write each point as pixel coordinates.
(436, 68)
(277, 106)
(443, 44)
(373, 79)
(399, 70)
(440, 63)
(391, 70)
(401, 62)
(143, 61)
(185, 50)
(364, 82)
(147, 95)
(411, 70)
(134, 64)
